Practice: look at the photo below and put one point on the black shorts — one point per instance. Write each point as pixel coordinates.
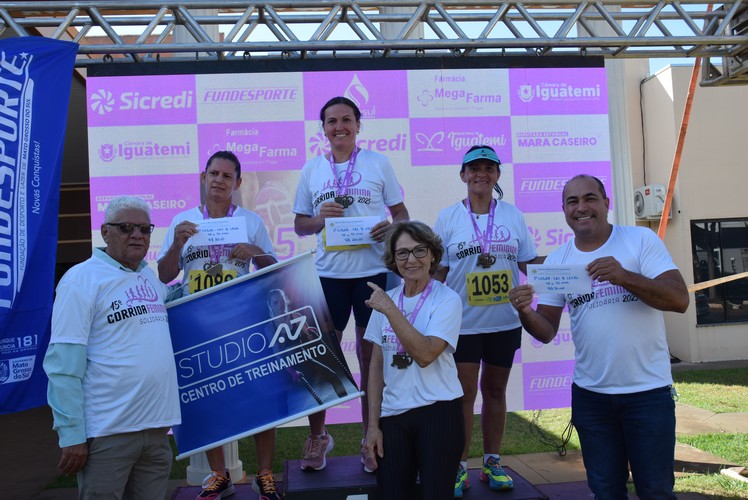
(496, 348)
(342, 295)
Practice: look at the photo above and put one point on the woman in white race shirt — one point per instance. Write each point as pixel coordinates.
(347, 182)
(415, 405)
(486, 244)
(205, 266)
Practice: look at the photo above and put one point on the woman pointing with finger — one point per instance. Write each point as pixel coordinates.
(415, 399)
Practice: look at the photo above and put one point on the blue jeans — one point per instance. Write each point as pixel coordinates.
(619, 430)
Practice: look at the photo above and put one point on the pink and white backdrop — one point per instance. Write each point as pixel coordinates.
(151, 135)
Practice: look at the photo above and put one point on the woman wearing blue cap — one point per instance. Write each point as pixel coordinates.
(486, 243)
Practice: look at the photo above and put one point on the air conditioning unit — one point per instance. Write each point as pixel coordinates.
(649, 201)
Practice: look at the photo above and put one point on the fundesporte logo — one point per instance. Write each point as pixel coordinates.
(102, 101)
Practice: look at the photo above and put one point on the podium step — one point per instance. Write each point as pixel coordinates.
(344, 477)
(341, 478)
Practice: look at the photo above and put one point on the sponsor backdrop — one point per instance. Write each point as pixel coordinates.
(151, 135)
(34, 91)
(261, 346)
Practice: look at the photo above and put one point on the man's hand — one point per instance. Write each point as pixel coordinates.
(607, 269)
(330, 209)
(73, 458)
(379, 231)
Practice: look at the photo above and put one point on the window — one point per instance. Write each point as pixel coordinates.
(720, 248)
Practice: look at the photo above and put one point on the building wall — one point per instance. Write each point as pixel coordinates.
(711, 184)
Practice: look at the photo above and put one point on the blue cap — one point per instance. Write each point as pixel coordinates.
(481, 154)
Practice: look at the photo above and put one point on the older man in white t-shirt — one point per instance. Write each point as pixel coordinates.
(112, 377)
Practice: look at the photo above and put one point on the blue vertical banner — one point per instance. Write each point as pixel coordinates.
(254, 353)
(35, 78)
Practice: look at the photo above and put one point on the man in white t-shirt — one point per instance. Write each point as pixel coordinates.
(622, 397)
(112, 378)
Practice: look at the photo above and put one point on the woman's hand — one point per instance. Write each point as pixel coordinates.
(374, 442)
(521, 298)
(379, 300)
(183, 232)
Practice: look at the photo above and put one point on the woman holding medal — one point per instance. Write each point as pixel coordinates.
(415, 405)
(486, 244)
(346, 182)
(206, 266)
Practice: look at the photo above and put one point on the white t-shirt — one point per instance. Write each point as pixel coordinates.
(619, 341)
(193, 258)
(373, 188)
(510, 243)
(415, 387)
(119, 315)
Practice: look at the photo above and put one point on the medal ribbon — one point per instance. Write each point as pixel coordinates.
(416, 309)
(216, 250)
(343, 190)
(485, 237)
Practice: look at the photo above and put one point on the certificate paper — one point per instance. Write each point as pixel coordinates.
(221, 231)
(559, 279)
(343, 231)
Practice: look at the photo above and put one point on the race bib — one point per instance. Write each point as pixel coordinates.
(201, 280)
(488, 288)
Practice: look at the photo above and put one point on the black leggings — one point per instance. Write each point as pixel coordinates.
(424, 442)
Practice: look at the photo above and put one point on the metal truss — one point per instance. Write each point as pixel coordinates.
(111, 31)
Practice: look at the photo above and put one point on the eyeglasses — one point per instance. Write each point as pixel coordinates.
(129, 227)
(418, 252)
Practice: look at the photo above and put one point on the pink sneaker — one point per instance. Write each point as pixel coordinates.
(316, 449)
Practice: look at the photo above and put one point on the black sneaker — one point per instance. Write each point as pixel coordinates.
(216, 487)
(264, 485)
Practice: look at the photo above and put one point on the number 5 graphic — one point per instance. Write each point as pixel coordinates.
(290, 243)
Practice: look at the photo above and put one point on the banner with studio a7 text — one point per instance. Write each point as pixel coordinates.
(35, 77)
(254, 353)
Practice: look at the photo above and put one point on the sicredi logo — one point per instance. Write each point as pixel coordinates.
(131, 150)
(556, 92)
(103, 101)
(319, 145)
(555, 236)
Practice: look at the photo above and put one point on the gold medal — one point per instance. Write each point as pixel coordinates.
(346, 201)
(486, 260)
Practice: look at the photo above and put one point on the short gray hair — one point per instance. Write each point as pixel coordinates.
(121, 203)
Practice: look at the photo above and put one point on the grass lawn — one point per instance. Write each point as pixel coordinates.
(719, 391)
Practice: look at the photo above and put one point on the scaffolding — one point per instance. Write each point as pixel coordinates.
(141, 32)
